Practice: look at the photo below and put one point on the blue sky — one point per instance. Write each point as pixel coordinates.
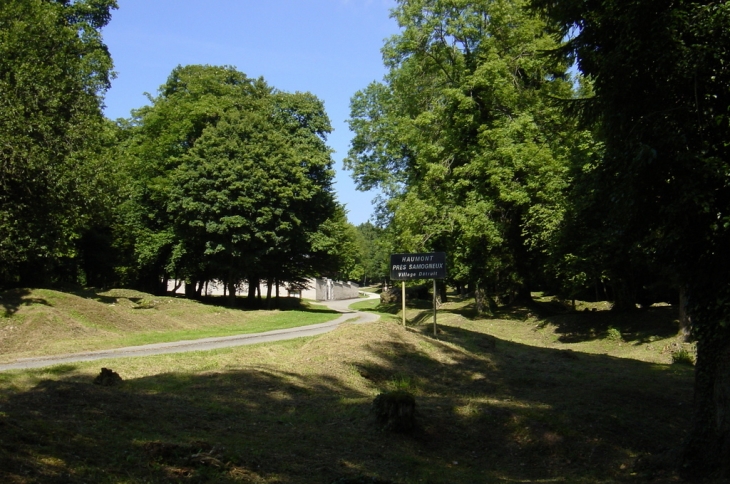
(330, 48)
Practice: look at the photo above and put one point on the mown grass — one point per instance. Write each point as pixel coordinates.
(522, 397)
(44, 322)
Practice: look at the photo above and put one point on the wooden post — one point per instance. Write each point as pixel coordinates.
(403, 298)
(434, 307)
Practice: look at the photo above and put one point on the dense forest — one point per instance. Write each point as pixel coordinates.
(578, 148)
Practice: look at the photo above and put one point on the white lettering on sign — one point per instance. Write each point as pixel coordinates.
(415, 267)
(420, 258)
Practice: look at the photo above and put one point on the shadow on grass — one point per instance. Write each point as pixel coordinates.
(490, 411)
(637, 327)
(13, 299)
(395, 308)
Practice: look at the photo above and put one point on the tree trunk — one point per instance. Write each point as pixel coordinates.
(478, 299)
(277, 294)
(253, 284)
(685, 323)
(624, 298)
(190, 289)
(269, 284)
(523, 295)
(232, 292)
(706, 451)
(484, 304)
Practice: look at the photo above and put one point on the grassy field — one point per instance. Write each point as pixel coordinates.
(535, 394)
(45, 322)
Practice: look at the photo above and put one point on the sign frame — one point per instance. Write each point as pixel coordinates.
(426, 265)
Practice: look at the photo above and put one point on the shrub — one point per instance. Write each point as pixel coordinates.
(683, 357)
(613, 334)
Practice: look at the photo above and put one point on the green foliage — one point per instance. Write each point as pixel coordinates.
(402, 383)
(54, 71)
(464, 140)
(230, 179)
(335, 250)
(374, 253)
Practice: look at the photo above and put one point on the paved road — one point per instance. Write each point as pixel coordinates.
(207, 343)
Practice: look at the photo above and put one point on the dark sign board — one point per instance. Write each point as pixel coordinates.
(404, 267)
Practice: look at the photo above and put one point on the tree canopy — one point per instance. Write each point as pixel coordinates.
(464, 140)
(232, 180)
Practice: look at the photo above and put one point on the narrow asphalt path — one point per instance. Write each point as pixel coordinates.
(207, 343)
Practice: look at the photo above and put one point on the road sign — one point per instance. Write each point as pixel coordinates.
(405, 267)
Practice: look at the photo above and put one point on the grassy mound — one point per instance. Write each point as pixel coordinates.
(43, 322)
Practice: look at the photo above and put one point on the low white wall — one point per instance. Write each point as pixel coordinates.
(319, 289)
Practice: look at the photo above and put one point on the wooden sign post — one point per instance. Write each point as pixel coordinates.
(403, 301)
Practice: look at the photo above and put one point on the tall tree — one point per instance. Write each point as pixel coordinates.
(463, 139)
(152, 143)
(54, 70)
(662, 98)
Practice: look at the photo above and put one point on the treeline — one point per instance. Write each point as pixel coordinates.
(577, 147)
(488, 144)
(220, 177)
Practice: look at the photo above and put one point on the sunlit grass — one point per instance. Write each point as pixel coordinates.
(88, 321)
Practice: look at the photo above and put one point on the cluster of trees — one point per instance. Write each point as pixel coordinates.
(483, 143)
(229, 179)
(220, 177)
(618, 176)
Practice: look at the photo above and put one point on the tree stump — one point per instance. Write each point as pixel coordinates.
(396, 411)
(107, 378)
